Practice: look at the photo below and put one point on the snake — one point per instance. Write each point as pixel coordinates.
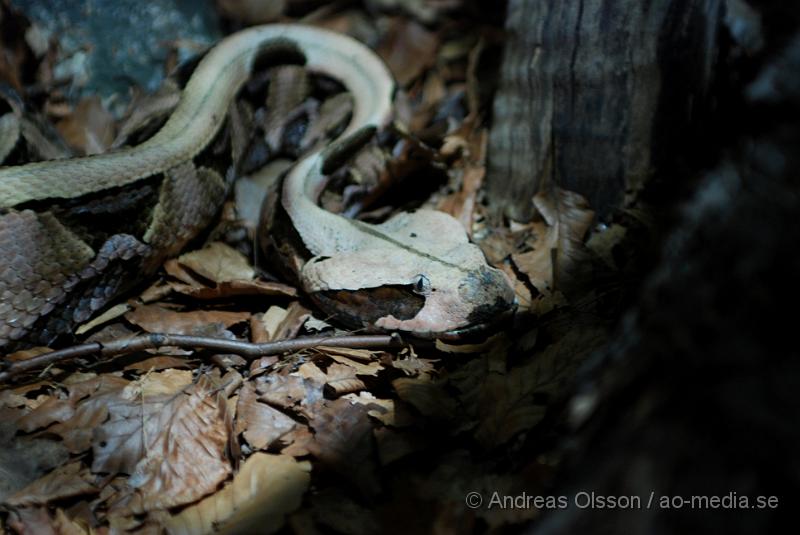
(77, 233)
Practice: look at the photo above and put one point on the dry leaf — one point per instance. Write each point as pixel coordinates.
(603, 243)
(265, 490)
(429, 398)
(515, 402)
(66, 481)
(159, 363)
(218, 263)
(408, 49)
(343, 441)
(278, 323)
(394, 445)
(298, 441)
(107, 316)
(262, 425)
(362, 355)
(370, 369)
(173, 445)
(342, 379)
(252, 11)
(236, 288)
(156, 319)
(90, 129)
(559, 250)
(288, 391)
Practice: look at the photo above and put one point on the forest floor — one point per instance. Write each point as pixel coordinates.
(342, 439)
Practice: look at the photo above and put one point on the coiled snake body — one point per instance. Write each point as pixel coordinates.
(58, 267)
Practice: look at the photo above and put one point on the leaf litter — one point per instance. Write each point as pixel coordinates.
(325, 439)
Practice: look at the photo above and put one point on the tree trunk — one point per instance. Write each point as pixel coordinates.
(595, 95)
(697, 399)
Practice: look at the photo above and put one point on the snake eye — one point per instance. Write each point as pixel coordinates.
(421, 284)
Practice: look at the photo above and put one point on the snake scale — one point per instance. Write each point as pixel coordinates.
(76, 233)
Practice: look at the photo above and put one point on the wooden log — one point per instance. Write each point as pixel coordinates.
(595, 96)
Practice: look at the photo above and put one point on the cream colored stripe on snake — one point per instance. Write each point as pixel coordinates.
(202, 109)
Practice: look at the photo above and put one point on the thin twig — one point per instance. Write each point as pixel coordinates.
(154, 341)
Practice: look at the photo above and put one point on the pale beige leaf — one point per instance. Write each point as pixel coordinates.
(278, 323)
(109, 315)
(271, 321)
(266, 489)
(310, 371)
(168, 382)
(218, 263)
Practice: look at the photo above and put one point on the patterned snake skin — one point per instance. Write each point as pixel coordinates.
(76, 233)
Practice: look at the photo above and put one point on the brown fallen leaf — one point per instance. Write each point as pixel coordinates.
(262, 425)
(15, 54)
(172, 445)
(393, 445)
(157, 363)
(342, 379)
(297, 441)
(31, 520)
(370, 369)
(408, 49)
(266, 489)
(156, 319)
(412, 365)
(288, 391)
(252, 11)
(559, 250)
(237, 288)
(90, 128)
(428, 397)
(343, 441)
(359, 355)
(340, 513)
(516, 401)
(68, 481)
(468, 173)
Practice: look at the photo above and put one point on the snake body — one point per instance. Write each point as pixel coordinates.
(56, 273)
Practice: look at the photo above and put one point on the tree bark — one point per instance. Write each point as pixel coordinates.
(698, 398)
(596, 95)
